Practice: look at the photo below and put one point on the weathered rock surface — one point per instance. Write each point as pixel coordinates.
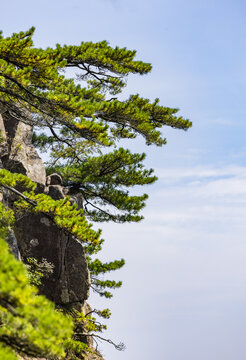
(17, 152)
(36, 235)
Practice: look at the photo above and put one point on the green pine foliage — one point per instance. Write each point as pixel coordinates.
(80, 122)
(104, 181)
(97, 268)
(34, 77)
(81, 118)
(7, 353)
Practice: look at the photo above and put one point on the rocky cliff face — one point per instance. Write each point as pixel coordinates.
(34, 235)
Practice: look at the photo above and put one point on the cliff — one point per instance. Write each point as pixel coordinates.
(35, 236)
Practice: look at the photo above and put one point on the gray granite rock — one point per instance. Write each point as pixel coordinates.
(36, 235)
(17, 152)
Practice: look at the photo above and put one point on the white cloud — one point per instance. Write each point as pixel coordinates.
(198, 172)
(185, 263)
(199, 193)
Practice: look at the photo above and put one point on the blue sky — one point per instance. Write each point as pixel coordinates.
(184, 293)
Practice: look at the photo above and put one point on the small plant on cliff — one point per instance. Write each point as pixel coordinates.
(80, 121)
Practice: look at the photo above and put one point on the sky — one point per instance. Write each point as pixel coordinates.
(184, 293)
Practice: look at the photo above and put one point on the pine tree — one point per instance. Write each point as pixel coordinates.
(81, 122)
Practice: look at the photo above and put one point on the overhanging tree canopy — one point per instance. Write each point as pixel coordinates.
(81, 121)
